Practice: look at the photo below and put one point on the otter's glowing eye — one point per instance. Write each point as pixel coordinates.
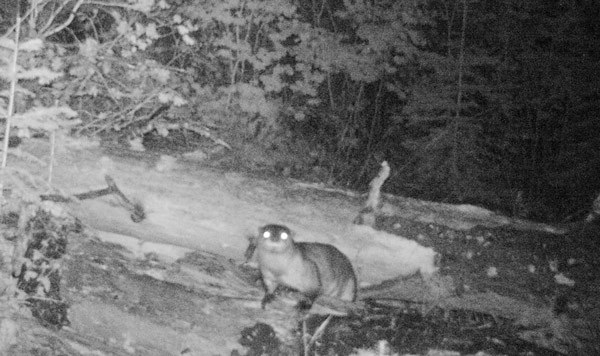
(267, 234)
(284, 236)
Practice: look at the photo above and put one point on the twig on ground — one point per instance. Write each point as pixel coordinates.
(136, 209)
(309, 342)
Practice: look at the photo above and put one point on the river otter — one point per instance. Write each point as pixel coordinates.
(311, 268)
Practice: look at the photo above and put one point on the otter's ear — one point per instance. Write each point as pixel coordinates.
(261, 231)
(291, 233)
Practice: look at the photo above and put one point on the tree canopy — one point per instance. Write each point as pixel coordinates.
(479, 101)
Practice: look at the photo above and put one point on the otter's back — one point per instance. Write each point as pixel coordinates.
(335, 270)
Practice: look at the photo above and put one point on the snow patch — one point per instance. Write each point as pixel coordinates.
(8, 334)
(166, 163)
(80, 143)
(473, 210)
(492, 272)
(107, 165)
(562, 279)
(405, 257)
(158, 274)
(553, 265)
(140, 249)
(136, 144)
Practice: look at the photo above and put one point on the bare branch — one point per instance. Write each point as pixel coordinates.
(66, 23)
(11, 100)
(53, 14)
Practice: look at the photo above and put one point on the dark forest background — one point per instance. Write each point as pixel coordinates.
(492, 102)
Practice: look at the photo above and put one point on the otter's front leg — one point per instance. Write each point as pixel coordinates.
(270, 287)
(306, 302)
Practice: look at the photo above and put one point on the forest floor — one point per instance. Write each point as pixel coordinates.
(435, 279)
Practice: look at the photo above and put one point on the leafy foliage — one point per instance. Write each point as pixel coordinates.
(463, 105)
(32, 71)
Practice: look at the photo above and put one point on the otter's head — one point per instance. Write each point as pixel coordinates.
(275, 238)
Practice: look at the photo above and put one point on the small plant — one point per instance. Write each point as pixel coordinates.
(39, 275)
